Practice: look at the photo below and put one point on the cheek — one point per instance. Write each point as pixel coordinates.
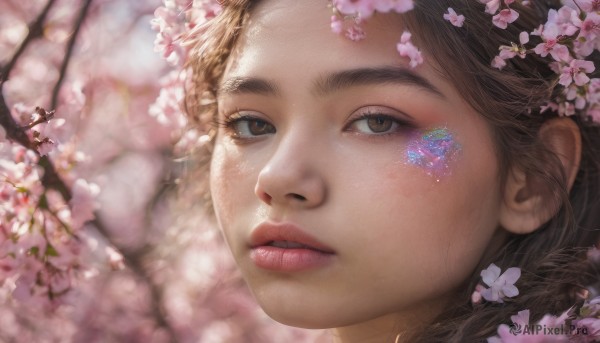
(229, 183)
(446, 223)
(434, 151)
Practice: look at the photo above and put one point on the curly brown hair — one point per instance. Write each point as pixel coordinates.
(552, 258)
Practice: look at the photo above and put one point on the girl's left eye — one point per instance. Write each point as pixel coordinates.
(376, 124)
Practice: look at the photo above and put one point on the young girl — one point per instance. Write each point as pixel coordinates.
(426, 172)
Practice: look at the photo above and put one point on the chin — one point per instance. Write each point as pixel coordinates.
(301, 319)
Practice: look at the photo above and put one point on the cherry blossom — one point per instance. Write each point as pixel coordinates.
(576, 71)
(498, 62)
(407, 49)
(501, 286)
(454, 18)
(359, 10)
(505, 17)
(551, 44)
(590, 26)
(589, 5)
(491, 6)
(365, 8)
(337, 25)
(508, 52)
(565, 19)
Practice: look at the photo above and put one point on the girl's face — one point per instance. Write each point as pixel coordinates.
(406, 230)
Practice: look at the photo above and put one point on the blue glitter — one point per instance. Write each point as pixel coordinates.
(433, 151)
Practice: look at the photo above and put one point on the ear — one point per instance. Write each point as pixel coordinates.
(528, 201)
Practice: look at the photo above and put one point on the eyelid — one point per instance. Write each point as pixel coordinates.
(237, 115)
(366, 112)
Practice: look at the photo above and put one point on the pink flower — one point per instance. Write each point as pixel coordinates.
(491, 6)
(590, 26)
(565, 19)
(500, 285)
(45, 146)
(355, 33)
(476, 296)
(576, 71)
(508, 52)
(594, 113)
(589, 325)
(551, 45)
(366, 8)
(407, 49)
(566, 108)
(589, 5)
(164, 19)
(337, 25)
(576, 93)
(505, 17)
(498, 62)
(453, 18)
(520, 331)
(399, 6)
(521, 318)
(554, 321)
(524, 38)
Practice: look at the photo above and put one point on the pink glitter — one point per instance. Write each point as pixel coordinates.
(433, 150)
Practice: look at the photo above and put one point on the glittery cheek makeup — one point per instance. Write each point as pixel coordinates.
(433, 150)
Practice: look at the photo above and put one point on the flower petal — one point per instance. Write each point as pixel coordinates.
(510, 291)
(511, 275)
(490, 274)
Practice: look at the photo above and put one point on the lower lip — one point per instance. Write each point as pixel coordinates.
(289, 260)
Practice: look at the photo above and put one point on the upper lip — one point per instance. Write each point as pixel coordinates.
(268, 232)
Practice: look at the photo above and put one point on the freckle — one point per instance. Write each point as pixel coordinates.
(434, 151)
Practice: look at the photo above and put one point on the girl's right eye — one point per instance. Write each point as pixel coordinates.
(242, 127)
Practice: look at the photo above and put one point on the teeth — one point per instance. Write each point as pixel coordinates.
(287, 244)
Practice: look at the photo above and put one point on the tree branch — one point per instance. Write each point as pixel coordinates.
(13, 131)
(51, 178)
(69, 51)
(36, 30)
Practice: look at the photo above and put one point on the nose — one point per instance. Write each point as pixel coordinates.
(292, 176)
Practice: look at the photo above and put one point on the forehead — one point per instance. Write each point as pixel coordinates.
(284, 34)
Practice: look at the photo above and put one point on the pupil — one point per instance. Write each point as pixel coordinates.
(258, 127)
(379, 124)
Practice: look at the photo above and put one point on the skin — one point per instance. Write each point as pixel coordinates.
(404, 241)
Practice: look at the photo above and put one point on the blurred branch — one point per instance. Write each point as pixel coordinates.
(13, 131)
(51, 178)
(69, 52)
(36, 30)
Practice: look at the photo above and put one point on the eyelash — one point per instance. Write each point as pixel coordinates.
(230, 122)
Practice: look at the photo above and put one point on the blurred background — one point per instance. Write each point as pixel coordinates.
(97, 241)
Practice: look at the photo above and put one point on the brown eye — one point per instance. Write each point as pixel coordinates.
(247, 127)
(259, 127)
(379, 124)
(375, 124)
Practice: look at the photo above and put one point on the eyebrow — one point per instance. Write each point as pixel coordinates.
(373, 76)
(334, 82)
(248, 85)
